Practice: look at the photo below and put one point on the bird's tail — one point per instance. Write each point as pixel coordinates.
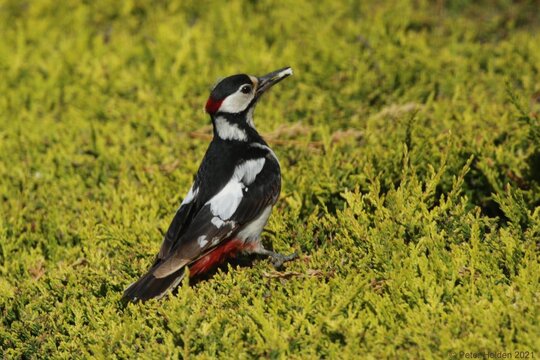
(148, 286)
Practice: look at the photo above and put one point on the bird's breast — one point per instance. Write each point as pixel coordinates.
(252, 231)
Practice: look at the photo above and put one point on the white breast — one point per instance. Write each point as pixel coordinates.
(252, 231)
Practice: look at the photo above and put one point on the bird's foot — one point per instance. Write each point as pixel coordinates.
(280, 259)
(277, 259)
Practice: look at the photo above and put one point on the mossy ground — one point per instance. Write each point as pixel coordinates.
(409, 143)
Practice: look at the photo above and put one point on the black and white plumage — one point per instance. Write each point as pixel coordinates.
(230, 201)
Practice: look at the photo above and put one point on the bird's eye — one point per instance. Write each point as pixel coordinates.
(246, 89)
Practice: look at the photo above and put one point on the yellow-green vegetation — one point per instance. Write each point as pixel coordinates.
(409, 144)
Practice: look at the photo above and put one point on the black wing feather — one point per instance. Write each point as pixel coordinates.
(194, 219)
(180, 222)
(263, 192)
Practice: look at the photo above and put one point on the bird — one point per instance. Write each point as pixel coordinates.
(229, 203)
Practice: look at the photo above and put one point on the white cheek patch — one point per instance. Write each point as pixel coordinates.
(228, 131)
(224, 204)
(236, 102)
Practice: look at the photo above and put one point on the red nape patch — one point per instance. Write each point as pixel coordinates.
(221, 253)
(213, 105)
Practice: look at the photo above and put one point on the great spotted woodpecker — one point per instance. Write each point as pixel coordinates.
(236, 186)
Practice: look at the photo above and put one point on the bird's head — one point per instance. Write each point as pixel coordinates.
(233, 99)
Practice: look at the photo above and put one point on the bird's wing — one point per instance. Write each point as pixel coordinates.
(181, 219)
(254, 186)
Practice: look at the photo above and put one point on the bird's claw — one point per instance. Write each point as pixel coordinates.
(280, 259)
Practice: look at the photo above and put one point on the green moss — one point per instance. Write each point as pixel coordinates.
(408, 139)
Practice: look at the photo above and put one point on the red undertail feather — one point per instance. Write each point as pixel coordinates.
(217, 256)
(149, 286)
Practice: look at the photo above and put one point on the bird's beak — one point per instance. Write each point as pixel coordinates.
(269, 80)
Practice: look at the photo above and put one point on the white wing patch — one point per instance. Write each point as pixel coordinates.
(224, 204)
(228, 131)
(217, 222)
(248, 170)
(202, 241)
